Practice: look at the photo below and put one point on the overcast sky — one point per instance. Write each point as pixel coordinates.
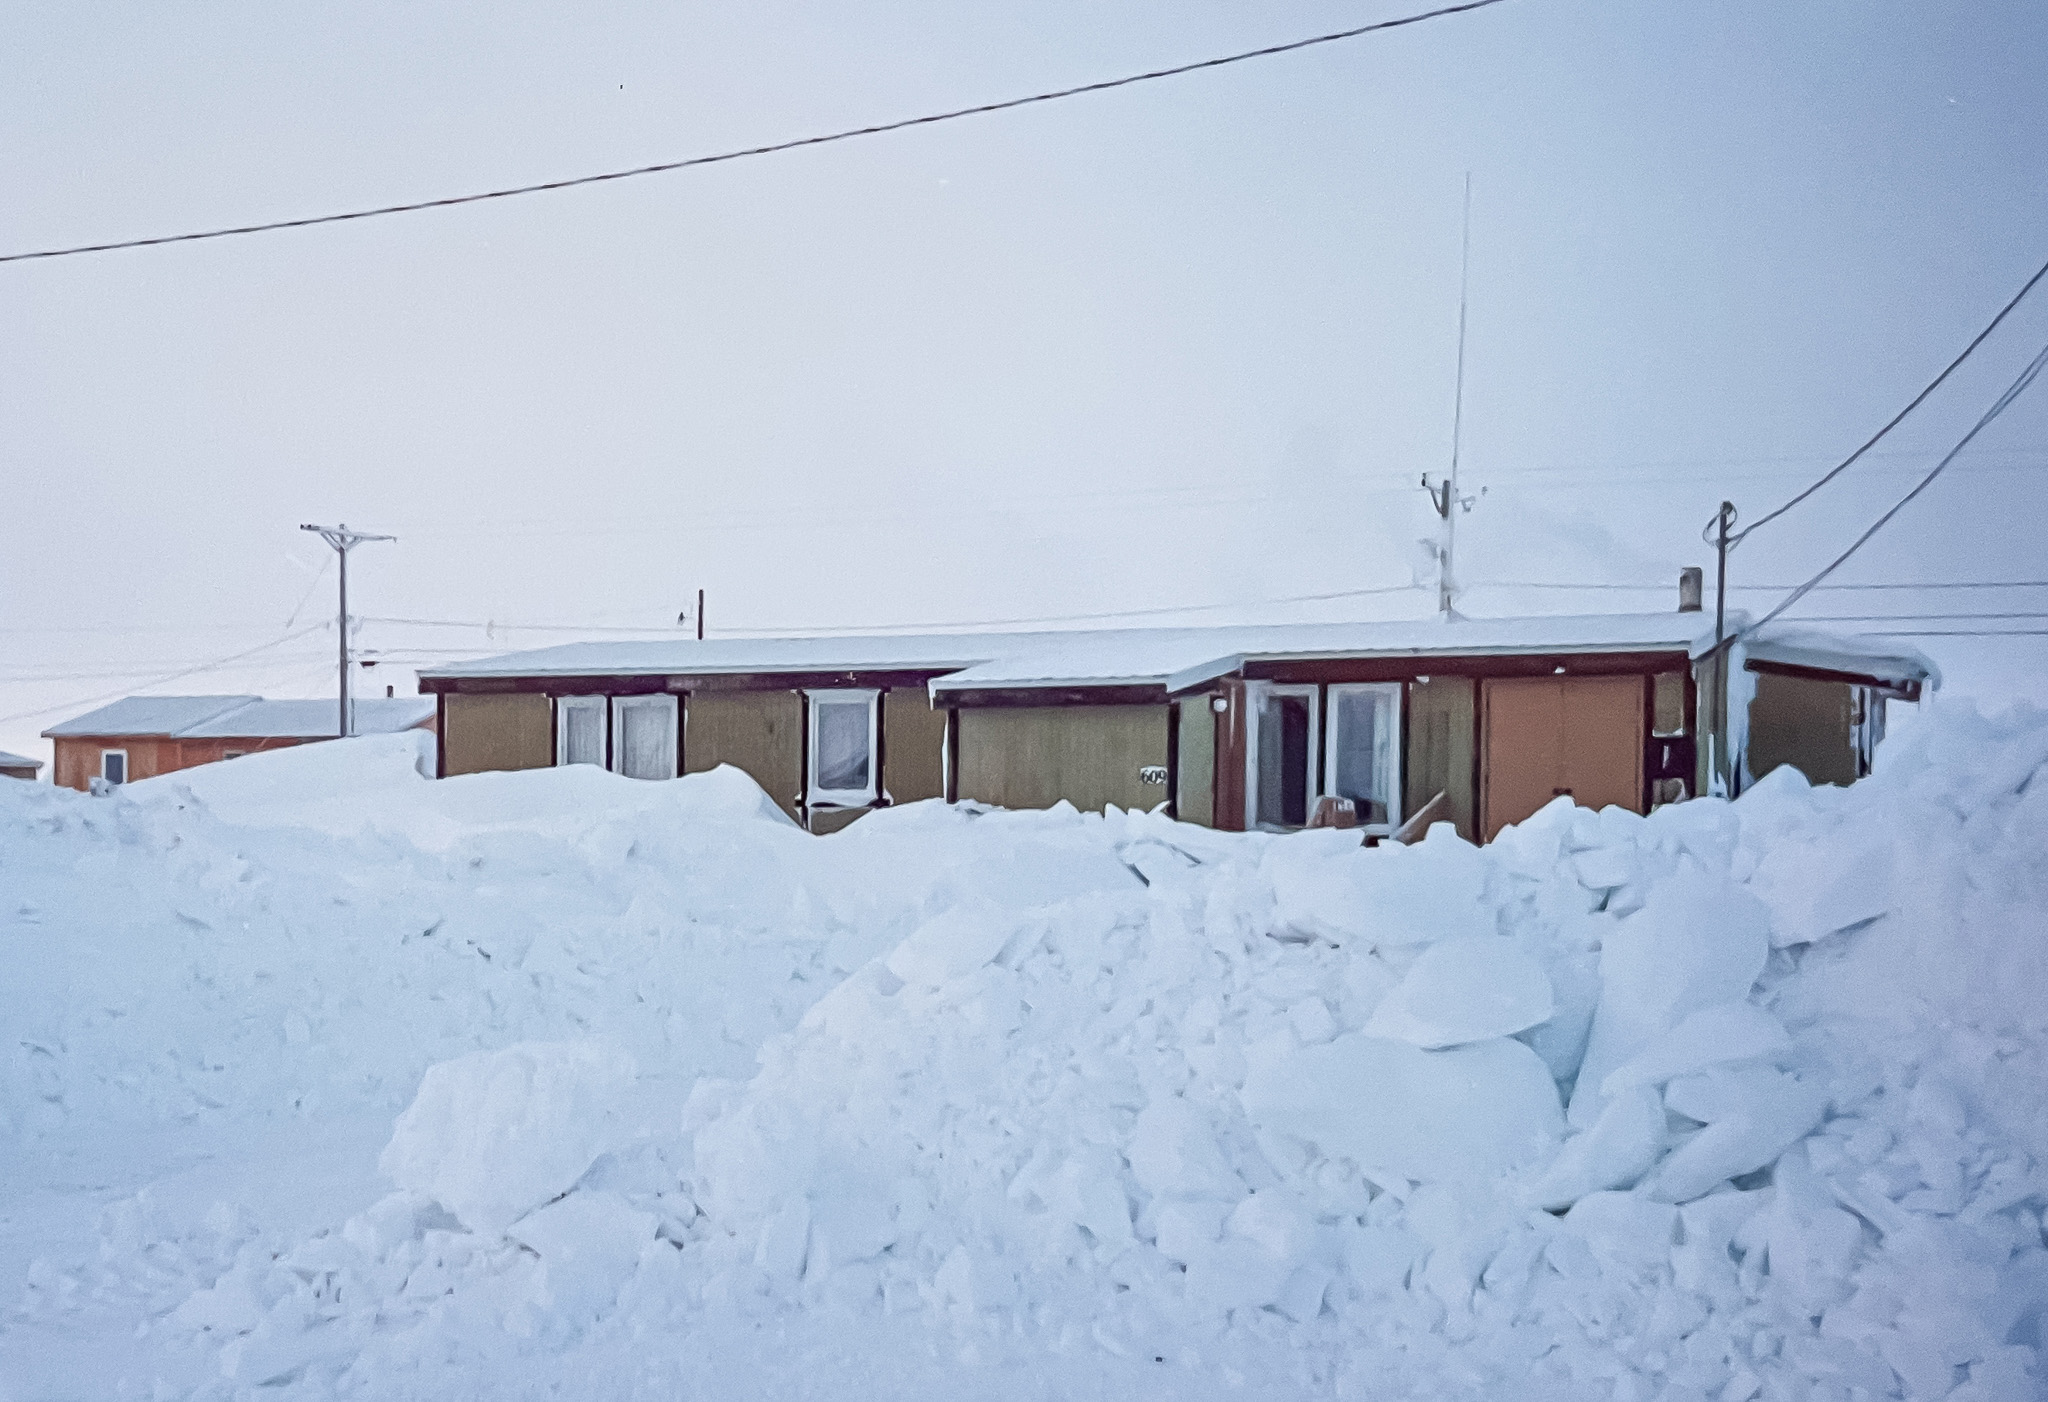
(1186, 344)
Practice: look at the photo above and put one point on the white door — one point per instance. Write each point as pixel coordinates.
(1280, 755)
(1363, 762)
(644, 736)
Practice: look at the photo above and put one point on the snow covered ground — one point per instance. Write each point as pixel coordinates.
(322, 1079)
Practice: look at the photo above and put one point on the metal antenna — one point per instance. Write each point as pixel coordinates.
(344, 540)
(1445, 498)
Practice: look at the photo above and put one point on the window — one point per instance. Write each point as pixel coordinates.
(1280, 754)
(579, 730)
(842, 748)
(114, 766)
(644, 736)
(1364, 760)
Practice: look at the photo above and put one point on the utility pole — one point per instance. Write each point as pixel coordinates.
(700, 615)
(1721, 539)
(1444, 497)
(344, 540)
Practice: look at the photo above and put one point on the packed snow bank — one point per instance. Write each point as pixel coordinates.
(1048, 1104)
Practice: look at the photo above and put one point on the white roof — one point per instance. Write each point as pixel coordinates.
(243, 717)
(10, 760)
(1175, 658)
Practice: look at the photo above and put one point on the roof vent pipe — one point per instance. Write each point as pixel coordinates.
(1691, 589)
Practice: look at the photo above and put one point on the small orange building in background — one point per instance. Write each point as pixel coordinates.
(139, 737)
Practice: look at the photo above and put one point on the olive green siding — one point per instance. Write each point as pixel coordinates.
(1442, 722)
(497, 732)
(1034, 756)
(827, 820)
(913, 746)
(760, 732)
(1196, 801)
(1805, 723)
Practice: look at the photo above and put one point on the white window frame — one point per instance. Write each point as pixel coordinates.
(566, 704)
(818, 797)
(1255, 694)
(124, 766)
(1391, 690)
(663, 702)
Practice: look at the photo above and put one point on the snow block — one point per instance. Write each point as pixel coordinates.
(1391, 895)
(1464, 990)
(1753, 1117)
(1616, 1152)
(1725, 1032)
(492, 1135)
(1697, 942)
(1467, 1113)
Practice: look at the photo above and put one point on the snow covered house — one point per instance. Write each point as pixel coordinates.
(141, 736)
(1235, 728)
(14, 766)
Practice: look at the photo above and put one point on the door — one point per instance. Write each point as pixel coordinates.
(1280, 755)
(1551, 737)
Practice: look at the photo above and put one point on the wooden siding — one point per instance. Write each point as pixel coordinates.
(486, 733)
(913, 746)
(760, 732)
(1442, 727)
(1195, 800)
(1805, 723)
(1032, 757)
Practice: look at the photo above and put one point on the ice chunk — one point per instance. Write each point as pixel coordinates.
(1698, 941)
(1469, 1112)
(1724, 1032)
(1619, 1149)
(1753, 1116)
(1390, 895)
(955, 942)
(1464, 990)
(493, 1134)
(590, 1244)
(1817, 888)
(1173, 1153)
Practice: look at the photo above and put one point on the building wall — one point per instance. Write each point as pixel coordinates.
(78, 757)
(1196, 801)
(1441, 726)
(1034, 756)
(1803, 722)
(913, 746)
(497, 732)
(760, 732)
(19, 771)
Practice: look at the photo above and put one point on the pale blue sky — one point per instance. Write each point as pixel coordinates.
(1185, 343)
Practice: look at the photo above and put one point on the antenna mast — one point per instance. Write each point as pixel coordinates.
(1444, 497)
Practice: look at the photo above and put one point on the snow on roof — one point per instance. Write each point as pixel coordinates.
(682, 657)
(10, 760)
(149, 715)
(1175, 658)
(243, 717)
(1802, 645)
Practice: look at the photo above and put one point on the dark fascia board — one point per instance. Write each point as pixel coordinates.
(1909, 690)
(597, 685)
(1406, 668)
(1148, 694)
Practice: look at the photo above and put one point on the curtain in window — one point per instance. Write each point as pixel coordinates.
(646, 738)
(842, 742)
(1363, 722)
(582, 733)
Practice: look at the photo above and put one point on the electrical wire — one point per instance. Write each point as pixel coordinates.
(1998, 407)
(1871, 442)
(1769, 588)
(215, 665)
(771, 148)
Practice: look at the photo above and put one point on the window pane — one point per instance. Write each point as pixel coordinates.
(582, 735)
(1283, 760)
(1363, 745)
(842, 745)
(643, 743)
(114, 766)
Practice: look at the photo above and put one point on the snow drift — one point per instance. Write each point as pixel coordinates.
(1739, 1100)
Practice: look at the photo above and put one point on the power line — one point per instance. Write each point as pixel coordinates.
(1961, 633)
(1999, 406)
(1081, 617)
(1914, 617)
(214, 665)
(1768, 588)
(1846, 463)
(772, 148)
